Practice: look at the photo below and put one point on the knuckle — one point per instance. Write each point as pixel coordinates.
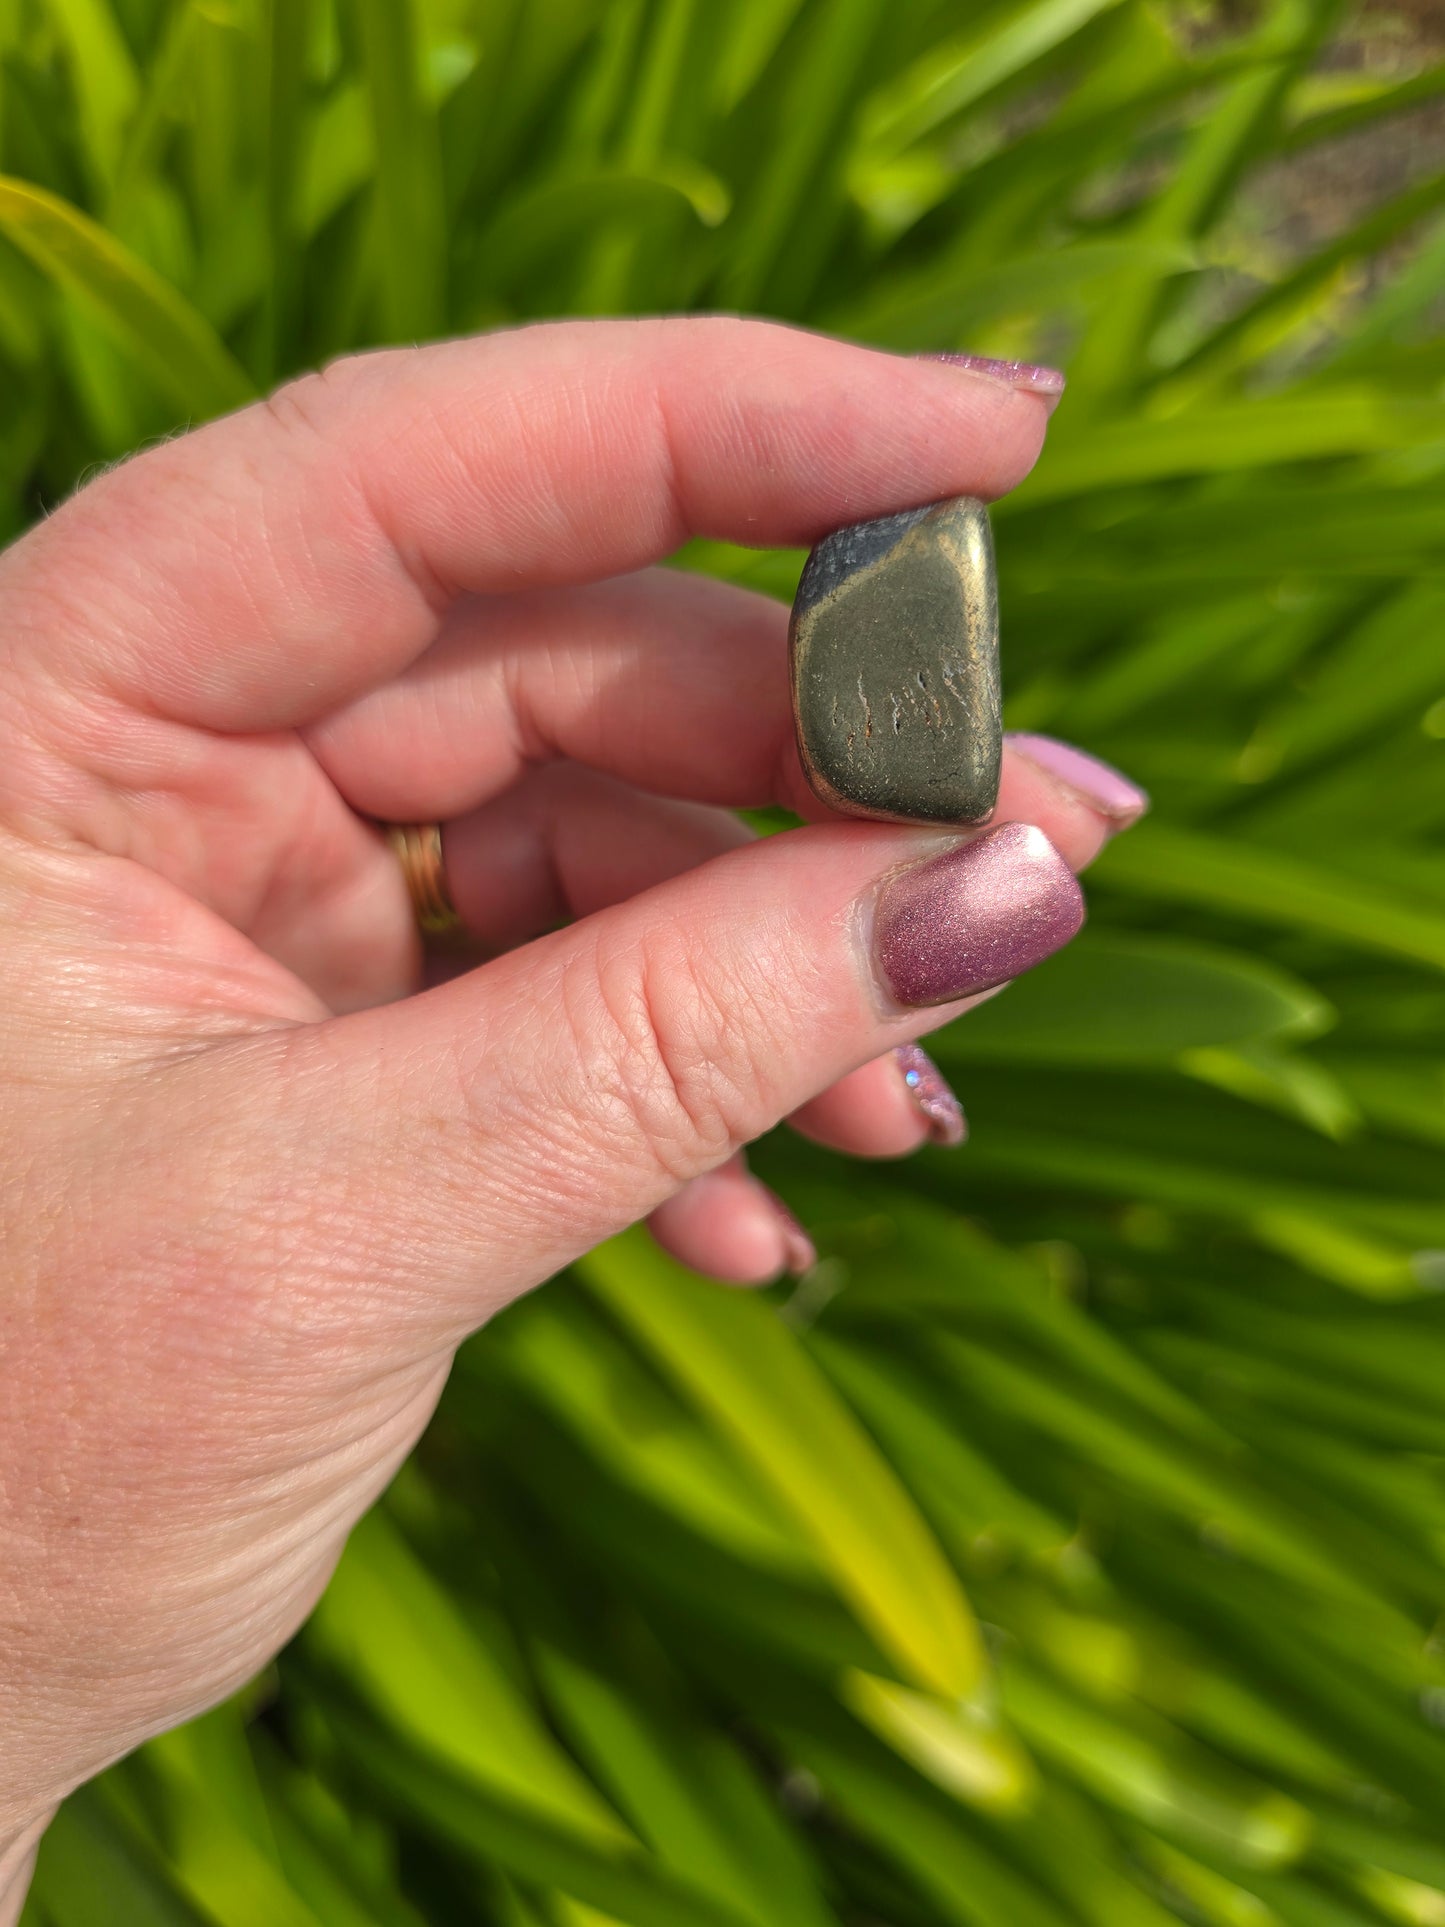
(307, 403)
(673, 1046)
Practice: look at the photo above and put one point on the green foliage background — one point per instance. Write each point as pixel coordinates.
(1069, 1549)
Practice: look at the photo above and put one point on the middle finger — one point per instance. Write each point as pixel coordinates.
(675, 683)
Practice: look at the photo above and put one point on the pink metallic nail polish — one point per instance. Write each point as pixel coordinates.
(933, 1094)
(1027, 375)
(1098, 784)
(978, 915)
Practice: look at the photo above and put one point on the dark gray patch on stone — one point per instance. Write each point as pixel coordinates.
(848, 550)
(894, 652)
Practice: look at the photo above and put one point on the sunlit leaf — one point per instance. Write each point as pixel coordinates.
(1118, 999)
(1274, 889)
(1233, 436)
(92, 1868)
(154, 325)
(408, 182)
(746, 1370)
(430, 1673)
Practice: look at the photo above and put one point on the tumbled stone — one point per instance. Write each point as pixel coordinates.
(894, 651)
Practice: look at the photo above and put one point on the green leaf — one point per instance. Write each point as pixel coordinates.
(22, 314)
(1351, 1258)
(956, 74)
(154, 325)
(963, 1750)
(232, 1875)
(1231, 436)
(945, 1469)
(920, 310)
(1383, 667)
(286, 23)
(324, 1855)
(105, 78)
(1116, 999)
(624, 1416)
(940, 1267)
(685, 1790)
(1157, 1776)
(965, 1879)
(1295, 1085)
(432, 1677)
(410, 284)
(785, 208)
(1201, 1487)
(1264, 886)
(547, 224)
(745, 1369)
(1216, 152)
(92, 1869)
(1299, 290)
(616, 1878)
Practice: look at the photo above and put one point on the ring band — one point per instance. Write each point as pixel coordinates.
(419, 849)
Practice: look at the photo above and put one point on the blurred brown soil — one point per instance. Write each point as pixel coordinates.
(1298, 203)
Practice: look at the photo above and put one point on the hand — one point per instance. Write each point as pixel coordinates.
(257, 1190)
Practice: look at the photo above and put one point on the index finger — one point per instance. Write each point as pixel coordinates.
(260, 571)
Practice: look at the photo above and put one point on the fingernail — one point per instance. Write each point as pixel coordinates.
(978, 915)
(1098, 784)
(933, 1094)
(1028, 375)
(800, 1254)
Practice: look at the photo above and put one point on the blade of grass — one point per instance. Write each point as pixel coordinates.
(965, 1751)
(1179, 1478)
(1156, 1776)
(630, 1421)
(958, 73)
(1327, 422)
(686, 1792)
(620, 1880)
(1263, 886)
(964, 1879)
(548, 223)
(1114, 354)
(286, 25)
(818, 71)
(920, 310)
(406, 1645)
(1115, 998)
(410, 285)
(217, 1859)
(156, 327)
(940, 1463)
(743, 1367)
(107, 85)
(1297, 294)
(92, 1868)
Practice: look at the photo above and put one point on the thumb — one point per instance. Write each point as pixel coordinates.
(474, 1139)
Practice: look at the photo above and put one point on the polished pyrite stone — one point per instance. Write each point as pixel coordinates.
(894, 650)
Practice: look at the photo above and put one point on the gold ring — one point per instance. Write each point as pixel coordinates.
(419, 848)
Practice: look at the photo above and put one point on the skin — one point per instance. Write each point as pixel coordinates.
(257, 1188)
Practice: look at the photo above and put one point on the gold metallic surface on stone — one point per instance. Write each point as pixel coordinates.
(894, 664)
